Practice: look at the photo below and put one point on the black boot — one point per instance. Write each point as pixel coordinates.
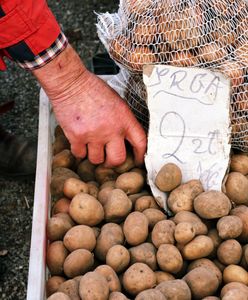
(17, 155)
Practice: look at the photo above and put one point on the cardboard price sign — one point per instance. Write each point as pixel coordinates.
(189, 124)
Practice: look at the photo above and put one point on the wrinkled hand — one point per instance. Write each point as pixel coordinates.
(93, 116)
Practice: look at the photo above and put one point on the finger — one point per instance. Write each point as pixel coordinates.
(95, 153)
(115, 153)
(79, 150)
(137, 138)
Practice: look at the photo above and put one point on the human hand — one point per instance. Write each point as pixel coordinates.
(93, 116)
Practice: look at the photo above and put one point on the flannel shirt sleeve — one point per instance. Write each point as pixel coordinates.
(47, 55)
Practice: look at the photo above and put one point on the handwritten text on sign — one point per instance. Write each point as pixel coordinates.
(189, 124)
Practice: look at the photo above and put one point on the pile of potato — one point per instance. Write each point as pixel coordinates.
(109, 239)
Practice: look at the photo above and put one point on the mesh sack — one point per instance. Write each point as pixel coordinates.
(202, 33)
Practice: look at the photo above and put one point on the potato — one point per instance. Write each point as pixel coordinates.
(74, 186)
(235, 273)
(104, 174)
(111, 277)
(241, 53)
(138, 277)
(229, 227)
(235, 294)
(241, 211)
(150, 294)
(135, 228)
(59, 296)
(111, 234)
(183, 59)
(212, 204)
(233, 285)
(202, 282)
(144, 253)
(130, 182)
(144, 31)
(174, 290)
(110, 183)
(168, 177)
(184, 232)
(118, 258)
(145, 202)
(86, 210)
(63, 159)
(127, 165)
(138, 57)
(96, 231)
(233, 70)
(86, 170)
(200, 246)
(239, 163)
(104, 194)
(183, 196)
(80, 237)
(211, 298)
(59, 176)
(117, 296)
(60, 143)
(229, 252)
(163, 233)
(154, 216)
(78, 262)
(58, 225)
(237, 188)
(70, 288)
(61, 206)
(163, 276)
(187, 216)
(93, 188)
(53, 284)
(136, 196)
(219, 265)
(58, 131)
(214, 236)
(208, 264)
(93, 286)
(169, 258)
(212, 52)
(55, 257)
(117, 207)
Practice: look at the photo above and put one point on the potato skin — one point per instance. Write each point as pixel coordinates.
(200, 246)
(86, 210)
(202, 282)
(55, 257)
(71, 288)
(239, 163)
(184, 232)
(168, 177)
(145, 202)
(163, 233)
(154, 216)
(80, 237)
(241, 211)
(229, 252)
(93, 286)
(182, 197)
(117, 296)
(229, 227)
(231, 286)
(61, 206)
(59, 296)
(212, 204)
(135, 228)
(104, 174)
(235, 273)
(111, 277)
(163, 276)
(63, 159)
(145, 253)
(86, 170)
(111, 234)
(78, 262)
(169, 258)
(118, 257)
(53, 283)
(117, 207)
(130, 182)
(237, 188)
(150, 294)
(175, 289)
(58, 225)
(74, 186)
(137, 278)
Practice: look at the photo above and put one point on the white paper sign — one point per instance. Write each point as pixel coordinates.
(189, 124)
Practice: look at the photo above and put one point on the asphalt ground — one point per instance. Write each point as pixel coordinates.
(77, 19)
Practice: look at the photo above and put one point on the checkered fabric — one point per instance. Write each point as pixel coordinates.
(47, 55)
